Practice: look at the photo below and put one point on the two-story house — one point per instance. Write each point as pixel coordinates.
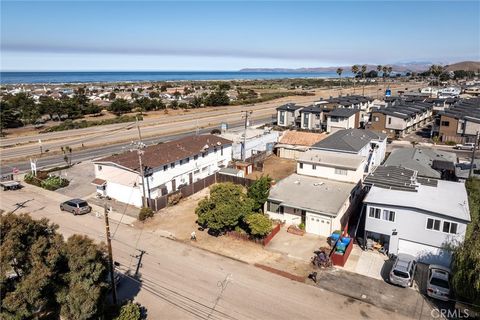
(288, 115)
(167, 167)
(342, 118)
(417, 216)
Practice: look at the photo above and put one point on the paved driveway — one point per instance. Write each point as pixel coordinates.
(294, 246)
(80, 177)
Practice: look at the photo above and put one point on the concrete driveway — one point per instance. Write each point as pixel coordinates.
(80, 177)
(367, 263)
(294, 246)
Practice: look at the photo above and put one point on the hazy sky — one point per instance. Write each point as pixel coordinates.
(228, 35)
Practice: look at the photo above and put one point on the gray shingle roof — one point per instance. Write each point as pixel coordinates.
(343, 112)
(349, 140)
(289, 107)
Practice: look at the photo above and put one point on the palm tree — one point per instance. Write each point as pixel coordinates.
(384, 73)
(339, 72)
(364, 69)
(354, 71)
(379, 69)
(389, 70)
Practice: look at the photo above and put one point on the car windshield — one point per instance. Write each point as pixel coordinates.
(439, 283)
(82, 204)
(400, 274)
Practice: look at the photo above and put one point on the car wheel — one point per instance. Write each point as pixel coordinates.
(61, 208)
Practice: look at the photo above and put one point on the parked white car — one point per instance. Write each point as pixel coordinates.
(438, 282)
(466, 146)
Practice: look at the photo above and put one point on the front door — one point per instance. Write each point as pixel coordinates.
(174, 185)
(190, 177)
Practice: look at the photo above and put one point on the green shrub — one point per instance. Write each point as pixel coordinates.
(259, 224)
(450, 143)
(301, 226)
(54, 182)
(145, 213)
(31, 179)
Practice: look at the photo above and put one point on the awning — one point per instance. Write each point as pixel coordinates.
(99, 182)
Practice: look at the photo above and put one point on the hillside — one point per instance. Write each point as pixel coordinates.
(406, 67)
(464, 65)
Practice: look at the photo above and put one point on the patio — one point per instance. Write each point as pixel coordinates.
(295, 246)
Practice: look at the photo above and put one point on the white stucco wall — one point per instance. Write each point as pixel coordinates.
(329, 172)
(342, 123)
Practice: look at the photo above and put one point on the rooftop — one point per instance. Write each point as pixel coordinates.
(343, 112)
(349, 140)
(289, 107)
(301, 138)
(312, 194)
(332, 159)
(420, 159)
(447, 199)
(165, 153)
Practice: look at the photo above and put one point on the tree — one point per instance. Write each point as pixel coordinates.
(364, 70)
(196, 102)
(29, 111)
(8, 117)
(258, 191)
(259, 224)
(42, 276)
(130, 311)
(466, 257)
(379, 69)
(354, 71)
(339, 72)
(163, 88)
(217, 98)
(112, 96)
(224, 209)
(120, 106)
(153, 94)
(67, 154)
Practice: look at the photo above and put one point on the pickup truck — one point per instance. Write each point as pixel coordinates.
(466, 146)
(10, 185)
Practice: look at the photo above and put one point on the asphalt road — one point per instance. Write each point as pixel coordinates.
(108, 149)
(179, 281)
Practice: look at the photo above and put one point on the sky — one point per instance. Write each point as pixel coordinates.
(230, 35)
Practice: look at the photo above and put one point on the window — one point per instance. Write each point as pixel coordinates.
(374, 213)
(172, 165)
(282, 117)
(445, 123)
(99, 168)
(333, 119)
(195, 157)
(221, 150)
(305, 119)
(341, 172)
(388, 215)
(300, 164)
(314, 166)
(433, 224)
(317, 116)
(165, 167)
(273, 207)
(389, 120)
(187, 160)
(449, 227)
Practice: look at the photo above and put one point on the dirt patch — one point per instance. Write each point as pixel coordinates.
(281, 273)
(275, 167)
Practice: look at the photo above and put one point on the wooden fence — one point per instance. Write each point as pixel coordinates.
(186, 191)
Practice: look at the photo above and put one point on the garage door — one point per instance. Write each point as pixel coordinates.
(425, 253)
(317, 224)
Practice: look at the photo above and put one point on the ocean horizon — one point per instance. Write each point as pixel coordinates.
(63, 77)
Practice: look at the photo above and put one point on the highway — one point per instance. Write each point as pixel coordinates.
(109, 149)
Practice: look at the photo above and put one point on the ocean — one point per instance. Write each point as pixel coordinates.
(125, 76)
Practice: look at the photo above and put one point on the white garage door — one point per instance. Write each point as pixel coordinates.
(425, 253)
(317, 224)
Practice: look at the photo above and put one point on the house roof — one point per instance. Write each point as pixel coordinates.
(289, 107)
(301, 138)
(332, 159)
(312, 194)
(165, 153)
(343, 112)
(447, 198)
(349, 140)
(420, 159)
(98, 182)
(392, 178)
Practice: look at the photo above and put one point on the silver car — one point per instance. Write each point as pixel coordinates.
(76, 206)
(438, 282)
(403, 270)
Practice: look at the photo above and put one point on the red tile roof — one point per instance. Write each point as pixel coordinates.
(165, 153)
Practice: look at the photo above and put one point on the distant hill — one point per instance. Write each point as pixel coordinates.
(464, 65)
(397, 67)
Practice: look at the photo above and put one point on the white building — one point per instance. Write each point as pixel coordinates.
(421, 217)
(366, 143)
(257, 140)
(343, 118)
(322, 205)
(168, 166)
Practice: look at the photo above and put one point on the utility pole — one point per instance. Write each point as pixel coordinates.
(139, 263)
(473, 155)
(139, 148)
(110, 254)
(244, 144)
